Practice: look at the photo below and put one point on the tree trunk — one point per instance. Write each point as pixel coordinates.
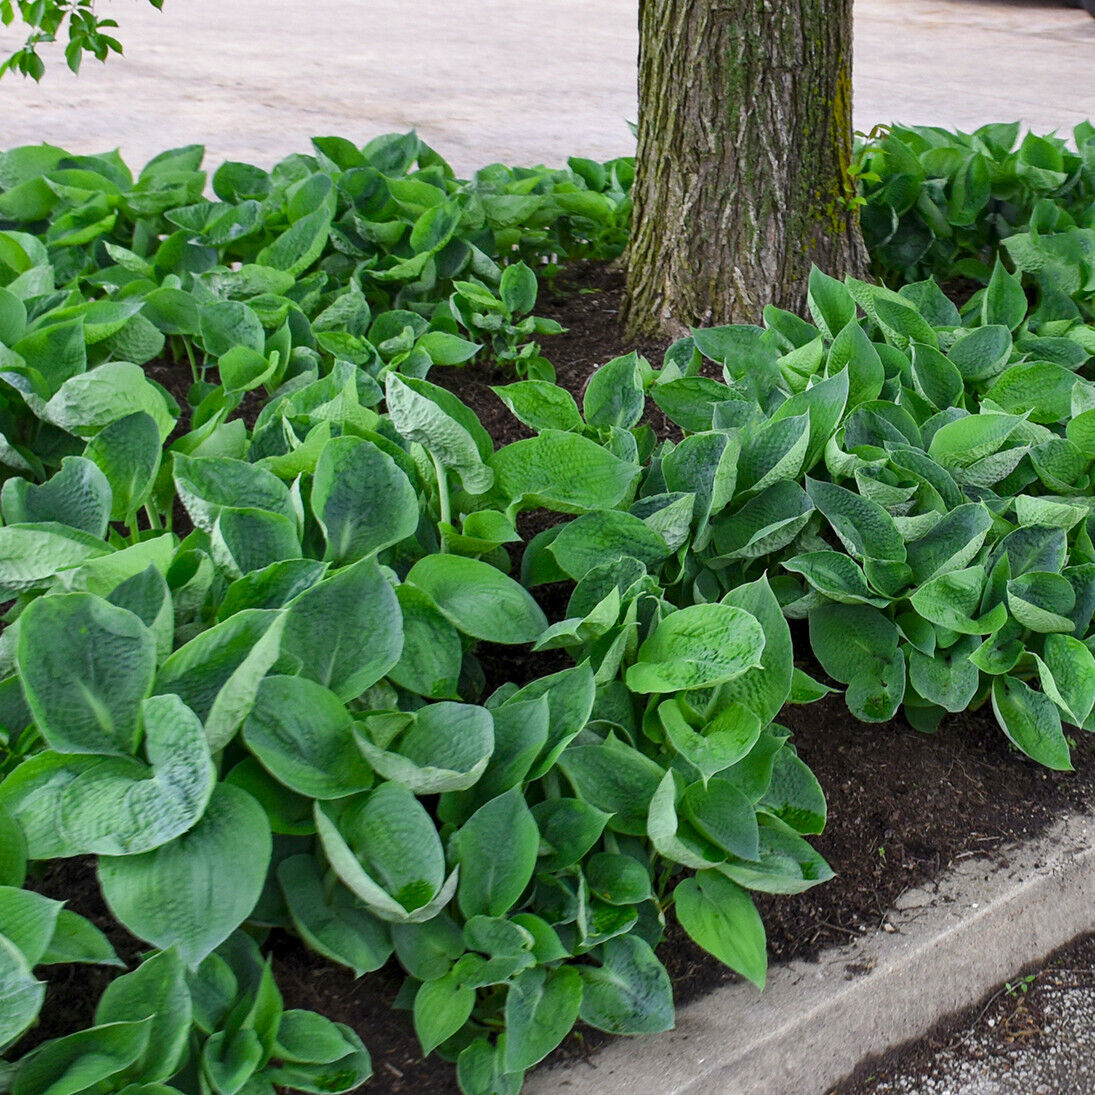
(742, 171)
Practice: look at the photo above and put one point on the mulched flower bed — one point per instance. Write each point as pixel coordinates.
(902, 805)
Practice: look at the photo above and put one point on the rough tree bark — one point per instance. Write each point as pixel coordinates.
(745, 141)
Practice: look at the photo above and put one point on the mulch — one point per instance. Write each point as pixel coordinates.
(902, 805)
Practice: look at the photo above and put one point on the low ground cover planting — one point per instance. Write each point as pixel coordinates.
(293, 646)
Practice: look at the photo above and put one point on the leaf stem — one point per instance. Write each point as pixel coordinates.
(443, 503)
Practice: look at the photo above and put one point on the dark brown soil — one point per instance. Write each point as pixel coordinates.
(902, 805)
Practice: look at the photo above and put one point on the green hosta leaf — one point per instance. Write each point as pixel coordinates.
(765, 524)
(705, 465)
(334, 925)
(13, 849)
(853, 350)
(244, 540)
(982, 353)
(830, 303)
(568, 828)
(615, 778)
(720, 743)
(432, 651)
(785, 864)
(864, 527)
(480, 1069)
(418, 417)
(86, 666)
(207, 485)
(541, 1007)
(794, 795)
(570, 695)
(155, 991)
(303, 735)
(1067, 672)
(673, 837)
(318, 1056)
(446, 748)
(629, 993)
(877, 688)
(362, 500)
(614, 394)
(441, 1008)
(21, 995)
(721, 917)
(951, 599)
(217, 673)
(479, 599)
(496, 849)
(948, 678)
(80, 805)
(951, 543)
(1031, 722)
(28, 921)
(1041, 601)
(385, 848)
(324, 628)
(697, 647)
(846, 637)
(78, 495)
(31, 556)
(560, 471)
(75, 939)
(825, 403)
(194, 892)
(541, 405)
(1004, 301)
(606, 537)
(774, 453)
(300, 245)
(966, 440)
(85, 404)
(90, 1060)
(836, 576)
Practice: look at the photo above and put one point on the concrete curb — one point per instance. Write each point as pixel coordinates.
(976, 926)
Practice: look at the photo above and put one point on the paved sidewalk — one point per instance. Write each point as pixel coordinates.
(511, 80)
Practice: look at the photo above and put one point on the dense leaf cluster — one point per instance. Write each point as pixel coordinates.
(242, 663)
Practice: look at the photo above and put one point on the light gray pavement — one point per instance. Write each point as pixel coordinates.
(520, 81)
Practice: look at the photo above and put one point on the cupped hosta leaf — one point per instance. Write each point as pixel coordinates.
(303, 735)
(362, 500)
(208, 484)
(419, 417)
(386, 850)
(496, 849)
(541, 1007)
(75, 939)
(1042, 601)
(947, 678)
(967, 440)
(629, 993)
(443, 1006)
(86, 665)
(195, 891)
(606, 537)
(951, 600)
(721, 917)
(1067, 672)
(245, 540)
(79, 805)
(560, 471)
(785, 863)
(570, 695)
(128, 452)
(697, 647)
(479, 599)
(951, 543)
(317, 1055)
(672, 836)
(836, 576)
(765, 524)
(718, 744)
(614, 393)
(774, 453)
(78, 495)
(217, 673)
(1031, 722)
(326, 625)
(21, 995)
(332, 924)
(28, 920)
(446, 748)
